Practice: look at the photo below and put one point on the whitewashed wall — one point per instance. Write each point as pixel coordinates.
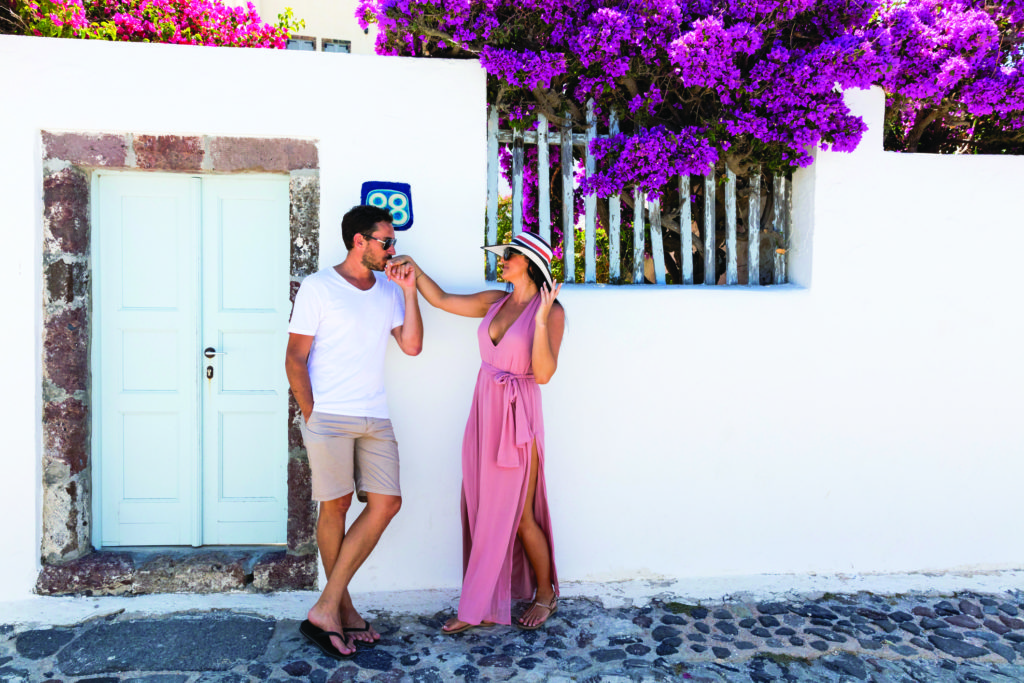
(864, 419)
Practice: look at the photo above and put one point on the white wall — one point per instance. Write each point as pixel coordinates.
(866, 419)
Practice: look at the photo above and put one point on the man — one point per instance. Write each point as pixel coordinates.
(335, 364)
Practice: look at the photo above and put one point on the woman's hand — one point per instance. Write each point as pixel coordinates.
(402, 260)
(547, 298)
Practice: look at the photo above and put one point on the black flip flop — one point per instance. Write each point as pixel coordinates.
(366, 627)
(322, 639)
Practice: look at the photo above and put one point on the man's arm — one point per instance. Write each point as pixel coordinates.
(409, 334)
(298, 374)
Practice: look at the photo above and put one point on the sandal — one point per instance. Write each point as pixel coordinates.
(465, 627)
(551, 607)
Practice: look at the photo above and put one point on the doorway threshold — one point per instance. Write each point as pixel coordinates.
(147, 570)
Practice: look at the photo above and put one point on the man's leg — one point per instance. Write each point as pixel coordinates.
(330, 535)
(359, 541)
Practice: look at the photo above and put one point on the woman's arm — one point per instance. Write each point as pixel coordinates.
(547, 335)
(469, 305)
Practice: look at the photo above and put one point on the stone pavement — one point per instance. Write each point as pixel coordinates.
(861, 637)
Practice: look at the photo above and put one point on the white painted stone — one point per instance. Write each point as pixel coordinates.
(888, 438)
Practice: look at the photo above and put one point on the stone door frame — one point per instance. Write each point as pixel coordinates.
(70, 564)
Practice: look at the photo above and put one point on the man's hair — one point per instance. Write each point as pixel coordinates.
(361, 220)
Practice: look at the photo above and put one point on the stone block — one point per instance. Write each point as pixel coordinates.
(169, 152)
(65, 281)
(86, 150)
(99, 573)
(304, 218)
(66, 520)
(66, 434)
(66, 349)
(302, 510)
(294, 415)
(66, 212)
(231, 155)
(283, 572)
(205, 572)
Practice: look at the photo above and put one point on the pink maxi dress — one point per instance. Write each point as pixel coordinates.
(504, 421)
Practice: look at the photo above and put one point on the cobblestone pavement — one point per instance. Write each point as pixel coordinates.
(863, 637)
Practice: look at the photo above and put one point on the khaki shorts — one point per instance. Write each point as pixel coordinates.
(342, 449)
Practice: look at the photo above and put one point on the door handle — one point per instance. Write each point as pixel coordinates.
(210, 352)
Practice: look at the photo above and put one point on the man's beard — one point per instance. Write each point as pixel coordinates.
(372, 265)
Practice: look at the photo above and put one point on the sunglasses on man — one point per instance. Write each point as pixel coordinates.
(387, 242)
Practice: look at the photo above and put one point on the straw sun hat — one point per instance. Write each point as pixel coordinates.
(533, 247)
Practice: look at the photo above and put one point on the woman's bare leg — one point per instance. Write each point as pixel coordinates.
(535, 543)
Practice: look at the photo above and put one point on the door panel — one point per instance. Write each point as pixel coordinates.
(245, 316)
(148, 281)
(185, 263)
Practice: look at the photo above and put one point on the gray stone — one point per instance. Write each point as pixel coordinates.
(702, 627)
(696, 637)
(904, 650)
(608, 655)
(970, 609)
(949, 633)
(922, 611)
(42, 643)
(785, 631)
(574, 664)
(963, 621)
(727, 628)
(1012, 622)
(1004, 651)
(297, 668)
(996, 627)
(923, 644)
(900, 617)
(817, 611)
(869, 644)
(748, 622)
(819, 645)
(847, 665)
(796, 641)
(662, 632)
(638, 649)
(957, 648)
(911, 627)
(984, 635)
(1009, 609)
(430, 674)
(721, 652)
(744, 645)
(930, 624)
(761, 632)
(945, 609)
(664, 649)
(872, 614)
(672, 619)
(772, 608)
(769, 621)
(699, 612)
(496, 660)
(722, 614)
(177, 643)
(826, 634)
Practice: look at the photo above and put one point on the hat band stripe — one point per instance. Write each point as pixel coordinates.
(546, 257)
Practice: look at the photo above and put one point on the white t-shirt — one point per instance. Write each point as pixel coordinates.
(350, 330)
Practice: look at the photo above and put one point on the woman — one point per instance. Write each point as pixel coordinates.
(506, 528)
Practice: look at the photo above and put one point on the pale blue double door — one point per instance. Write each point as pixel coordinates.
(190, 396)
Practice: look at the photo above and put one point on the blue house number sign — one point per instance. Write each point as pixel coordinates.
(395, 197)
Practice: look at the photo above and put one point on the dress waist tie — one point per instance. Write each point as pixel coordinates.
(516, 432)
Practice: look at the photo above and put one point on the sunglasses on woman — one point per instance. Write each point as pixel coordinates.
(509, 253)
